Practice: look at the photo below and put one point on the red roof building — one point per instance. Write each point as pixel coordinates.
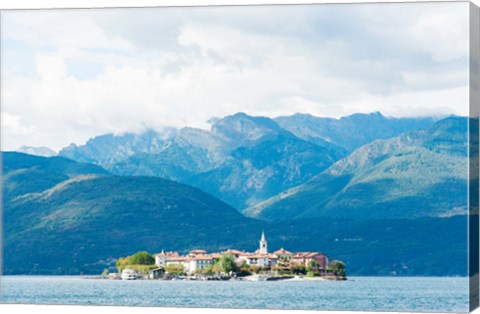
(303, 258)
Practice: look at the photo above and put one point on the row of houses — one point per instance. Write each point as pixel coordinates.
(199, 259)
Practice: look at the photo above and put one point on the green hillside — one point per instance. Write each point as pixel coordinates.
(416, 174)
(90, 218)
(81, 219)
(24, 173)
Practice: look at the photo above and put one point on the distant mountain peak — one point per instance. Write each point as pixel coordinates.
(37, 151)
(244, 128)
(371, 115)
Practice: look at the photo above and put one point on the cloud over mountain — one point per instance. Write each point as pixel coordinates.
(127, 70)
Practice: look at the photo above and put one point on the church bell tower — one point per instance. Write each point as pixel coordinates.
(263, 244)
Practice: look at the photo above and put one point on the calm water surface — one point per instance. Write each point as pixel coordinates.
(358, 293)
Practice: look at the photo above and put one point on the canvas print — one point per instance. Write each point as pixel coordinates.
(317, 157)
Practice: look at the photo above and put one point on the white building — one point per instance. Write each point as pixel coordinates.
(179, 260)
(262, 260)
(283, 254)
(198, 262)
(195, 260)
(200, 259)
(162, 258)
(261, 256)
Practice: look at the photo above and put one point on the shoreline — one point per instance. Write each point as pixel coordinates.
(354, 276)
(293, 278)
(246, 278)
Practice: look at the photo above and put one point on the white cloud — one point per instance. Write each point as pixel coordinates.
(442, 34)
(59, 28)
(85, 73)
(12, 122)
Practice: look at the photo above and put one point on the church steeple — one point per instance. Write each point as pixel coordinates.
(263, 244)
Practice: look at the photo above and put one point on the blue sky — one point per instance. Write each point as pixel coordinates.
(69, 75)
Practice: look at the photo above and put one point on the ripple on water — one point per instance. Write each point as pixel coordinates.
(444, 294)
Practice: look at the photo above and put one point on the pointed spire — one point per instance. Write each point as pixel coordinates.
(263, 244)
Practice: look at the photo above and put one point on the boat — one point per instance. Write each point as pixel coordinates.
(129, 274)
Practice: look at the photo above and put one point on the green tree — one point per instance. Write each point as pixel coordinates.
(298, 269)
(206, 270)
(225, 264)
(121, 263)
(243, 270)
(313, 266)
(244, 264)
(338, 267)
(141, 258)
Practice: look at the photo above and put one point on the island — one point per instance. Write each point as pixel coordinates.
(230, 264)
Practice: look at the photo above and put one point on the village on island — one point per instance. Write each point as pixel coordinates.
(230, 265)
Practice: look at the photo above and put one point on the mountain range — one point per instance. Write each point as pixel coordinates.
(370, 190)
(417, 174)
(242, 160)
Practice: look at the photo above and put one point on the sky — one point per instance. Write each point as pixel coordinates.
(70, 75)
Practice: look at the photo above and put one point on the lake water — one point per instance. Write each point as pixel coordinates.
(358, 293)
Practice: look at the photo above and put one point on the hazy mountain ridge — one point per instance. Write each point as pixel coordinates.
(37, 151)
(352, 131)
(242, 160)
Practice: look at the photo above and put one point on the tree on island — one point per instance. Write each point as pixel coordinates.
(338, 267)
(141, 262)
(313, 268)
(141, 258)
(225, 264)
(244, 269)
(205, 271)
(121, 263)
(298, 269)
(313, 265)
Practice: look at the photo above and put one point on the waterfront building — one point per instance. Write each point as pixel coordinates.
(199, 262)
(199, 259)
(156, 273)
(179, 260)
(283, 254)
(236, 253)
(161, 258)
(303, 258)
(262, 260)
(197, 252)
